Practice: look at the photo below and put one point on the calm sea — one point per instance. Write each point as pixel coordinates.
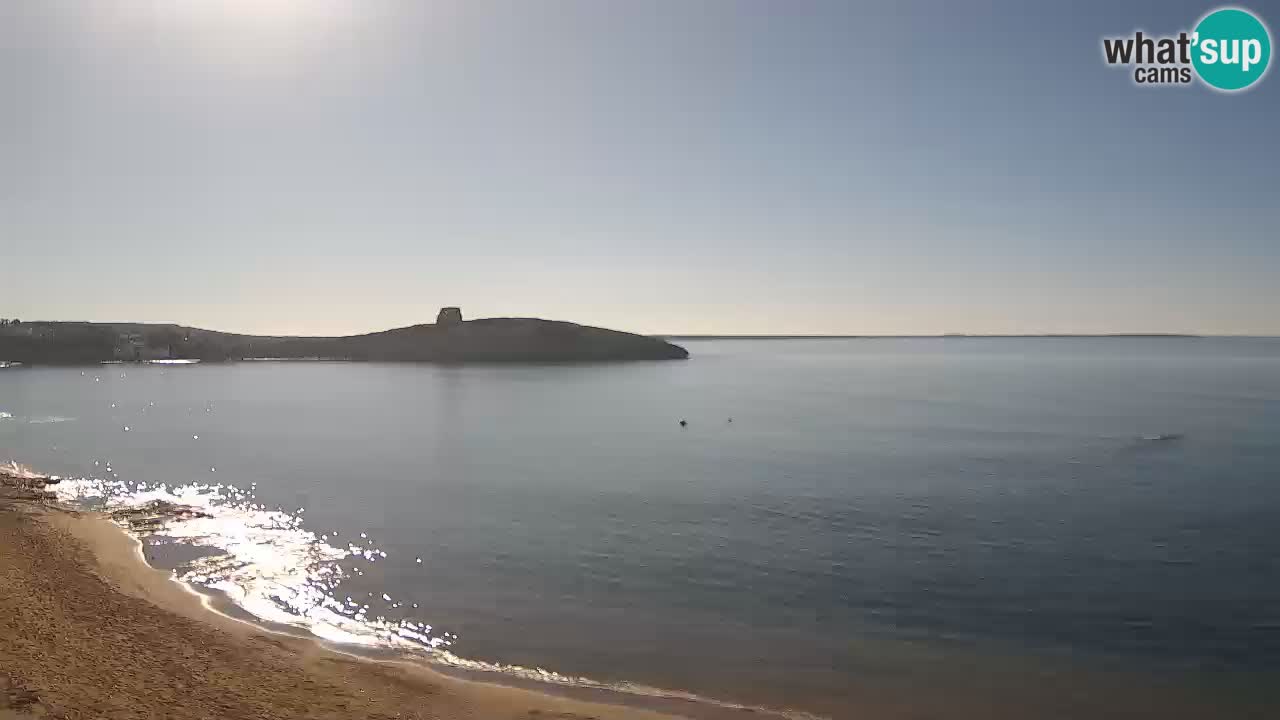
(840, 523)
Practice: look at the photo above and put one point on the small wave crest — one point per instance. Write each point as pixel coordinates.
(37, 420)
(1160, 438)
(22, 472)
(449, 659)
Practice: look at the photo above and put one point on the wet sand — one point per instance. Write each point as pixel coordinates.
(90, 631)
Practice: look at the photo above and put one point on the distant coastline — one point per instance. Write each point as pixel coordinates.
(449, 340)
(946, 336)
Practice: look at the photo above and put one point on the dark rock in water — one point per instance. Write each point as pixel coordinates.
(449, 316)
(152, 515)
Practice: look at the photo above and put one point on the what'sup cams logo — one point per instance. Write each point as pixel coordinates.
(1229, 50)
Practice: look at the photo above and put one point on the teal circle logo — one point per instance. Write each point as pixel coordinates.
(1232, 49)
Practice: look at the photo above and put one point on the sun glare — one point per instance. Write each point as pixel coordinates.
(254, 34)
(254, 12)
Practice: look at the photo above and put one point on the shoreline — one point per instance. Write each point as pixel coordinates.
(670, 704)
(107, 567)
(87, 617)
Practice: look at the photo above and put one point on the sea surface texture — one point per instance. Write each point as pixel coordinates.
(837, 517)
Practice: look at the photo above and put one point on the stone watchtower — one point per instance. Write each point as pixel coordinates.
(449, 316)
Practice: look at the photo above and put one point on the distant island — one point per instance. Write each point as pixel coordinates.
(449, 340)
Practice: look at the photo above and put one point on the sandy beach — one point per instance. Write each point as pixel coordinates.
(90, 631)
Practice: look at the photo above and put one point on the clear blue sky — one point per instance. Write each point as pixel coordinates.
(321, 166)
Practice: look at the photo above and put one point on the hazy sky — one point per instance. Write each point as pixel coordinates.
(321, 166)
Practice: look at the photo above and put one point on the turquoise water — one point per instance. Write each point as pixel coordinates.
(876, 510)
